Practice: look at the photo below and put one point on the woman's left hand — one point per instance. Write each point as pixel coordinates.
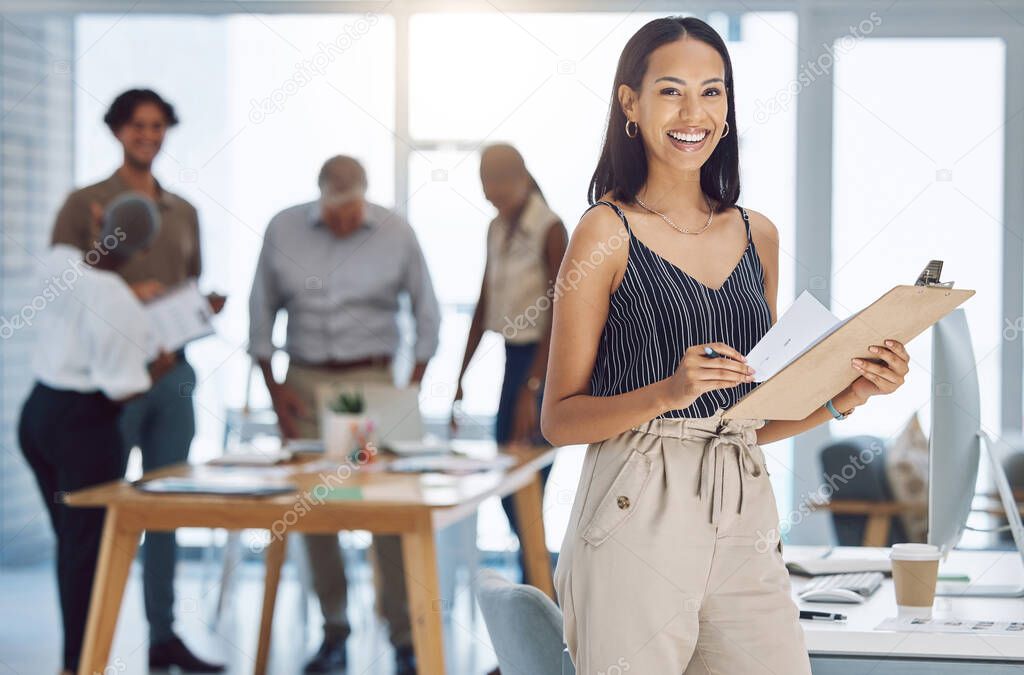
(881, 378)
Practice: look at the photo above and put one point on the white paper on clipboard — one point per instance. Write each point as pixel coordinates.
(806, 323)
(180, 316)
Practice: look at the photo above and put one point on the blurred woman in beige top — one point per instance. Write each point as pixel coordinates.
(525, 244)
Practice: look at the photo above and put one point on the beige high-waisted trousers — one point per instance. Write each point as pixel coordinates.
(672, 562)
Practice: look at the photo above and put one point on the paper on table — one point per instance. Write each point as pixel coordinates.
(952, 625)
(225, 484)
(423, 447)
(304, 445)
(802, 326)
(180, 316)
(253, 458)
(448, 464)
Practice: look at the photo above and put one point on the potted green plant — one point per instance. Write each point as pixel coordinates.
(344, 424)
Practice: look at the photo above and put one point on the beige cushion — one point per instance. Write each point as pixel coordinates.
(906, 468)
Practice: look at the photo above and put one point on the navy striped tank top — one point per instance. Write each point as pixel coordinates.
(658, 311)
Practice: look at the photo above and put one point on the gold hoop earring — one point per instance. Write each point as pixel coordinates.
(726, 131)
(636, 129)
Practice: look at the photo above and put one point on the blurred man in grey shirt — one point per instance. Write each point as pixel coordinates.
(338, 266)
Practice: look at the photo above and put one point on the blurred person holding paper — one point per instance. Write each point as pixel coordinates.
(338, 266)
(162, 422)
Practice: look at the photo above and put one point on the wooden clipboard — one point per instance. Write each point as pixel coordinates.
(824, 370)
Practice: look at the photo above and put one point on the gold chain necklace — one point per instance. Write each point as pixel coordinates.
(711, 215)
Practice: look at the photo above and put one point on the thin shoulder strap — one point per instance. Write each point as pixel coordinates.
(622, 216)
(746, 220)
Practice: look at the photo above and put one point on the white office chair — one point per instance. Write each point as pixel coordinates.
(244, 425)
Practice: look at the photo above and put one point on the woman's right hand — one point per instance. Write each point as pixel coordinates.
(698, 373)
(161, 365)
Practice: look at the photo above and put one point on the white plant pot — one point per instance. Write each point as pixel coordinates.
(340, 433)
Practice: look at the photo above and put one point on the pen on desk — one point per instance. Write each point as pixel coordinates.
(821, 616)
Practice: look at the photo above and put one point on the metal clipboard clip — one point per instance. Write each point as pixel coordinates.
(930, 276)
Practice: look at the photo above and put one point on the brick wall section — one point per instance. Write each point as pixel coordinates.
(36, 172)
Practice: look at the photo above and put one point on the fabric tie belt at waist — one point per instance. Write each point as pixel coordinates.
(719, 436)
(745, 464)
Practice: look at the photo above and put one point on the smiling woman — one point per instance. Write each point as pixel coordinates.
(628, 375)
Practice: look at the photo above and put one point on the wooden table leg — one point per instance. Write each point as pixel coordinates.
(424, 592)
(529, 501)
(117, 550)
(876, 531)
(272, 561)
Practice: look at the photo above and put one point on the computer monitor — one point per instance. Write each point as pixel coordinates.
(394, 410)
(955, 447)
(953, 441)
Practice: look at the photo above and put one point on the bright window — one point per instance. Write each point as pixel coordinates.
(263, 101)
(919, 176)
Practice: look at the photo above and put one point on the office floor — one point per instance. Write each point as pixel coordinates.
(30, 638)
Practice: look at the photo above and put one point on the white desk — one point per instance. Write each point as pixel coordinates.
(855, 647)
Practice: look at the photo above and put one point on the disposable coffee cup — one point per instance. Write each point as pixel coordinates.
(915, 569)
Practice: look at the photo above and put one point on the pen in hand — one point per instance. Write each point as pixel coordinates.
(712, 354)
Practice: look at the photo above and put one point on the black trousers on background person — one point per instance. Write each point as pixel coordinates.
(72, 441)
(518, 360)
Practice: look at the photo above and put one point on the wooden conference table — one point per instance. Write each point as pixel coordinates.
(413, 506)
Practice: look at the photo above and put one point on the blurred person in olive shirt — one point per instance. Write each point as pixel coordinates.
(162, 421)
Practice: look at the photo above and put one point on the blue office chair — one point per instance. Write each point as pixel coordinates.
(525, 627)
(868, 483)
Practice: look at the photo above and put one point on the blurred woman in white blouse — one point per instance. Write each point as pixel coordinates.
(93, 350)
(525, 244)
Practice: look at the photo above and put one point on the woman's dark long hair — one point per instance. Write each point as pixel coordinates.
(622, 168)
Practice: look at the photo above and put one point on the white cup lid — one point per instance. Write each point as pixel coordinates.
(915, 552)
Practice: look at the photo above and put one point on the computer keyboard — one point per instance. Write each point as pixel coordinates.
(861, 583)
